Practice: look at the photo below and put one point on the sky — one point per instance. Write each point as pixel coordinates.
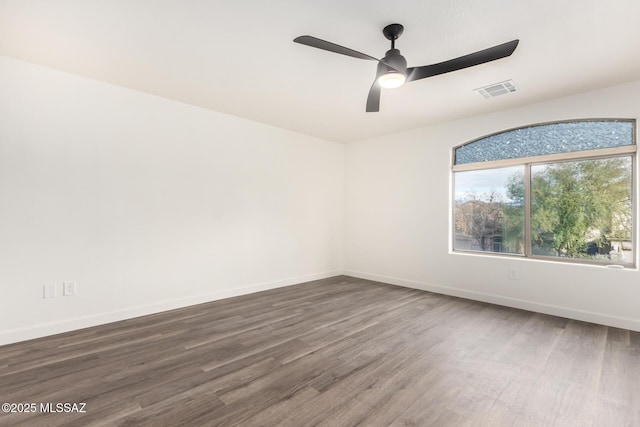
(484, 182)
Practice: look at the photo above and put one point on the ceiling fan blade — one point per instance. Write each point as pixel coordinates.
(373, 100)
(470, 60)
(332, 47)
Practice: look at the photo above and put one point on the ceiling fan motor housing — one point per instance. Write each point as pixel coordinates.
(393, 61)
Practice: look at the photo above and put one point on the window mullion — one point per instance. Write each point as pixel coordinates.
(527, 210)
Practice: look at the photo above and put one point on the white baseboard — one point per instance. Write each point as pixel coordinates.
(66, 325)
(570, 313)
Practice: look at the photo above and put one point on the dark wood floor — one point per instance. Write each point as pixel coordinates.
(336, 352)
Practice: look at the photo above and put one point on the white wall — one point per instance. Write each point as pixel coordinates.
(150, 204)
(398, 219)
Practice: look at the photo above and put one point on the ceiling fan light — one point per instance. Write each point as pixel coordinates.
(391, 80)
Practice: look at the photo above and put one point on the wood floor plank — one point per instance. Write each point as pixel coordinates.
(334, 352)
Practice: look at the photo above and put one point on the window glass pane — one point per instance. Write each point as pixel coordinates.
(547, 139)
(583, 210)
(489, 210)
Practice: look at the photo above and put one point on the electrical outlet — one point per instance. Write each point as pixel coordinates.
(69, 288)
(513, 273)
(49, 290)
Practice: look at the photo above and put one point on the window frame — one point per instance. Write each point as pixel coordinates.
(527, 163)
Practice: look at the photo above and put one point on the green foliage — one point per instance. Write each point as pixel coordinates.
(514, 213)
(575, 204)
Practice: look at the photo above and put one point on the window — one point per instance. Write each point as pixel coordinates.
(560, 191)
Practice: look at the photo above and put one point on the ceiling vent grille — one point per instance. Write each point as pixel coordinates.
(497, 89)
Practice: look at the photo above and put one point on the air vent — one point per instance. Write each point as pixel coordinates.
(497, 89)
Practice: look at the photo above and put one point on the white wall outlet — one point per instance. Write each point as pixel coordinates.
(49, 290)
(69, 288)
(513, 273)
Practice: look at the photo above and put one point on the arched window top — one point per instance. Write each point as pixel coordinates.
(548, 138)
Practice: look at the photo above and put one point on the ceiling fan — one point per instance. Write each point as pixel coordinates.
(392, 69)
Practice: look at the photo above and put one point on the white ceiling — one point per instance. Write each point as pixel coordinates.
(238, 57)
